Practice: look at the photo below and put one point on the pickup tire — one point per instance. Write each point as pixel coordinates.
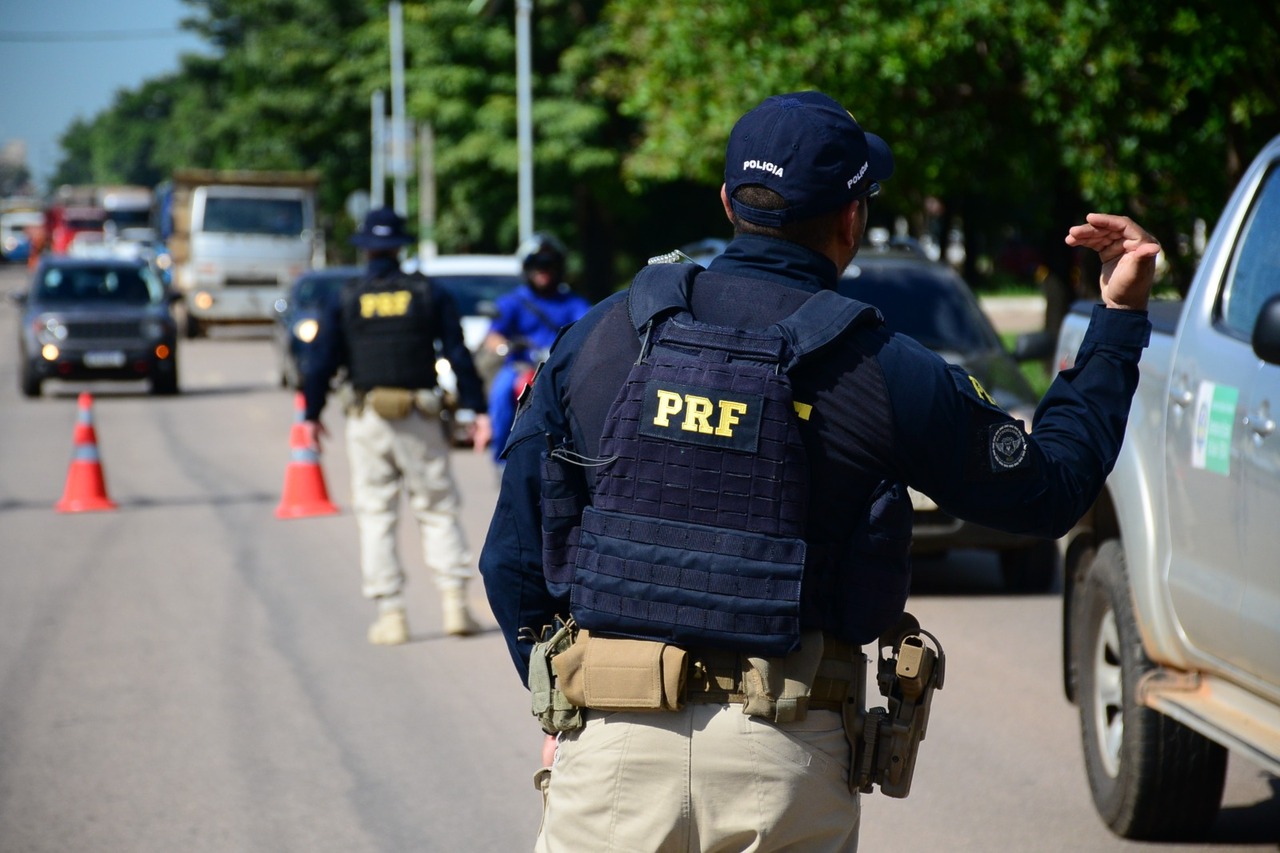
(1031, 569)
(1151, 777)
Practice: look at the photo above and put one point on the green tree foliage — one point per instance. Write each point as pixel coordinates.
(1009, 119)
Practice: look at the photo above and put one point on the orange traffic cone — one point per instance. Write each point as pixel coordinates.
(86, 488)
(304, 490)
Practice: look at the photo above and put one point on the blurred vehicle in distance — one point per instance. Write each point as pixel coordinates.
(236, 241)
(96, 318)
(927, 300)
(15, 237)
(298, 317)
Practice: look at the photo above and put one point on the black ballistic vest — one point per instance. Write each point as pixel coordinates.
(695, 529)
(389, 324)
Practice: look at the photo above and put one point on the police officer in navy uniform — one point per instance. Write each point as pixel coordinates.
(876, 412)
(387, 330)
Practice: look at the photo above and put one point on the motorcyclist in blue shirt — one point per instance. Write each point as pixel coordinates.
(527, 322)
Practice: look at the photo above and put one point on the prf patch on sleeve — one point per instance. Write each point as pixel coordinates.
(999, 445)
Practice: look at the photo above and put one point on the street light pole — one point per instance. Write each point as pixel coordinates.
(399, 158)
(524, 118)
(377, 154)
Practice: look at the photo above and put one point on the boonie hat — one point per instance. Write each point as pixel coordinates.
(808, 149)
(382, 229)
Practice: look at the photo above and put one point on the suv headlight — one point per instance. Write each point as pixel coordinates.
(49, 329)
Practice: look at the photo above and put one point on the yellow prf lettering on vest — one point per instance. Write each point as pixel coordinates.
(803, 410)
(697, 412)
(390, 304)
(980, 391)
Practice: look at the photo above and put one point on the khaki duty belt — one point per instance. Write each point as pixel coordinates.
(715, 677)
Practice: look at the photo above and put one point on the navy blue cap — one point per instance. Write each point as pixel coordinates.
(808, 149)
(382, 229)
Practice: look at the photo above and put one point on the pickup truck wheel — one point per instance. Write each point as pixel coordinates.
(1031, 569)
(1151, 777)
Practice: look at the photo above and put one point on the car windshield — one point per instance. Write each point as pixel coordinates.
(313, 289)
(927, 303)
(475, 294)
(278, 217)
(106, 284)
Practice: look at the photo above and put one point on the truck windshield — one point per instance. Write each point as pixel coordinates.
(278, 217)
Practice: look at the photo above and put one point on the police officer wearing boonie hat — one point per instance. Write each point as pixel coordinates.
(877, 412)
(386, 329)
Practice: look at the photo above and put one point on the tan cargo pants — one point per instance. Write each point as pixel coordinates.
(409, 453)
(706, 778)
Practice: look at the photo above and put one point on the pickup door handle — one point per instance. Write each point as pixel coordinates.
(1261, 425)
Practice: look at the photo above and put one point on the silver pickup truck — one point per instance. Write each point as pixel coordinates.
(1171, 614)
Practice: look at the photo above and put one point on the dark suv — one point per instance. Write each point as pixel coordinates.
(96, 318)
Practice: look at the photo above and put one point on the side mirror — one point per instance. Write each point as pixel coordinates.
(1033, 346)
(1266, 331)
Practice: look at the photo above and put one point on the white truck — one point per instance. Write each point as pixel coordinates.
(1171, 614)
(237, 240)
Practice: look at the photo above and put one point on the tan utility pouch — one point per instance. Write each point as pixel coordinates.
(391, 404)
(614, 674)
(429, 401)
(778, 688)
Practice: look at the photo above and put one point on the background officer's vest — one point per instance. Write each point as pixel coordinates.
(695, 532)
(390, 332)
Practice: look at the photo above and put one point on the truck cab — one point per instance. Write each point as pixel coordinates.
(238, 241)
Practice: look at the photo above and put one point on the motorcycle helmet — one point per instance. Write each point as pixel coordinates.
(542, 251)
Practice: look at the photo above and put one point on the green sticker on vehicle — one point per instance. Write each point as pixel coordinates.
(1215, 422)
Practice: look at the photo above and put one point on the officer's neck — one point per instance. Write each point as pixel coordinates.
(755, 256)
(383, 266)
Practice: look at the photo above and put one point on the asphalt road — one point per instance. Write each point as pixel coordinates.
(190, 673)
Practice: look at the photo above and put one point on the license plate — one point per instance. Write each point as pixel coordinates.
(108, 358)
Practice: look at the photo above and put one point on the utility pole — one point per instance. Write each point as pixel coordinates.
(399, 158)
(524, 117)
(427, 192)
(378, 156)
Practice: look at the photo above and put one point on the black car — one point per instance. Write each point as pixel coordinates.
(930, 302)
(298, 318)
(97, 318)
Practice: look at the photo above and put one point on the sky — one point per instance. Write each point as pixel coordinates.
(66, 59)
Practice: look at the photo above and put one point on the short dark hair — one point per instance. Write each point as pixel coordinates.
(811, 233)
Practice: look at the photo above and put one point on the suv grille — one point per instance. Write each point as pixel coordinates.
(103, 329)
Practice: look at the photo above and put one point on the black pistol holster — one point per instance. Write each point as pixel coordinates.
(885, 740)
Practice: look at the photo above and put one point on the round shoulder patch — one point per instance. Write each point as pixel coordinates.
(1008, 446)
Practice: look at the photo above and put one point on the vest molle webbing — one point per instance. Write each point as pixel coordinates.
(695, 532)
